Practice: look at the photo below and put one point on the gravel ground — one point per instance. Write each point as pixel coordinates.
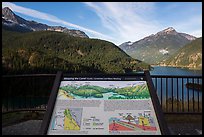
(32, 127)
(185, 129)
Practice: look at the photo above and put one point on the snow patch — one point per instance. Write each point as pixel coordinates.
(130, 43)
(23, 25)
(169, 29)
(190, 38)
(164, 51)
(8, 24)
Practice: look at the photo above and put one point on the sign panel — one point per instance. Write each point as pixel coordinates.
(97, 105)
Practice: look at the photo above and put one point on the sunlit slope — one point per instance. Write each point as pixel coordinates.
(189, 56)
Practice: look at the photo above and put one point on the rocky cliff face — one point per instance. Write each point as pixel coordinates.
(11, 21)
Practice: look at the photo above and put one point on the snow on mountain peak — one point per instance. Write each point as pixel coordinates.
(8, 14)
(169, 29)
(129, 43)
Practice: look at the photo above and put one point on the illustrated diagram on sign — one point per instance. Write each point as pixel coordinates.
(103, 90)
(132, 122)
(67, 119)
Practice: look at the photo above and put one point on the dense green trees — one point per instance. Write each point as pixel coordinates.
(48, 52)
(136, 92)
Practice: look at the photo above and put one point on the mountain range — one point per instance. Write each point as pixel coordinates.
(158, 47)
(49, 48)
(13, 22)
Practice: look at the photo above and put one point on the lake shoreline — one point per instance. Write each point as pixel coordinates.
(182, 67)
(169, 70)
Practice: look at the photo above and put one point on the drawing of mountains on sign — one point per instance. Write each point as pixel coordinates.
(80, 91)
(132, 121)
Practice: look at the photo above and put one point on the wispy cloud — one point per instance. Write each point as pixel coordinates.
(51, 18)
(188, 26)
(197, 33)
(127, 20)
(130, 21)
(136, 20)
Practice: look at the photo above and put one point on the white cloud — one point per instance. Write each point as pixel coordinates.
(132, 21)
(127, 20)
(196, 33)
(192, 26)
(51, 18)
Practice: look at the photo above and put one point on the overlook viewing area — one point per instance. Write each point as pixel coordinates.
(93, 71)
(25, 100)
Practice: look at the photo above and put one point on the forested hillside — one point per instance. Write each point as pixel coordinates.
(189, 56)
(49, 51)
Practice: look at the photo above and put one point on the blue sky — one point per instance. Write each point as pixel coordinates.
(117, 22)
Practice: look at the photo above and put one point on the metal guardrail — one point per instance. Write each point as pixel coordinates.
(175, 97)
(32, 92)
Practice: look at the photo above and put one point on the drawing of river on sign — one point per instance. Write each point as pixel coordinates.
(103, 90)
(132, 122)
(67, 119)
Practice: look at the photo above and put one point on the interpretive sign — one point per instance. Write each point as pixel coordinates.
(104, 105)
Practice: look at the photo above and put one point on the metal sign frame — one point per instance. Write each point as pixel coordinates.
(145, 76)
